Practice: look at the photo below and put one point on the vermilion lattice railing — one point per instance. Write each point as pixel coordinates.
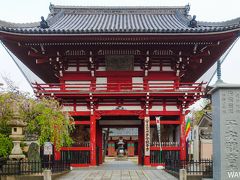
(119, 87)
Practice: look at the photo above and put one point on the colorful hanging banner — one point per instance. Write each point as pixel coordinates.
(188, 127)
(158, 128)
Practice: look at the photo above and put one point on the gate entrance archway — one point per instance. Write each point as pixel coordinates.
(119, 138)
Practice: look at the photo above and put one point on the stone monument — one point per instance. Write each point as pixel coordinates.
(34, 156)
(226, 134)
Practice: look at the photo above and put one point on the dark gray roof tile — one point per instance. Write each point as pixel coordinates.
(71, 19)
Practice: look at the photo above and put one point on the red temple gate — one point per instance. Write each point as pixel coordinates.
(121, 63)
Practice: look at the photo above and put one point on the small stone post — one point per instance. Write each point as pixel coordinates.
(182, 174)
(226, 135)
(47, 174)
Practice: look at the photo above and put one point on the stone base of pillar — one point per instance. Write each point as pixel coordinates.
(147, 161)
(16, 156)
(16, 153)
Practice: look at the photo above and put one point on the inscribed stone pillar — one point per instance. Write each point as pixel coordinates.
(226, 134)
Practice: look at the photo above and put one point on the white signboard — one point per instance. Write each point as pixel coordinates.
(158, 129)
(147, 136)
(48, 149)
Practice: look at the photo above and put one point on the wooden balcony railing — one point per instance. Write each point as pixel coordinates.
(119, 87)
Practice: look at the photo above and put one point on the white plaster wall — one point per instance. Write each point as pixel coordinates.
(132, 107)
(155, 68)
(102, 107)
(78, 85)
(137, 68)
(67, 108)
(83, 68)
(82, 108)
(137, 80)
(99, 83)
(106, 107)
(171, 108)
(71, 69)
(77, 82)
(156, 108)
(167, 68)
(101, 68)
(168, 82)
(158, 85)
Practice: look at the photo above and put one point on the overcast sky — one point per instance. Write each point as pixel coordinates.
(205, 10)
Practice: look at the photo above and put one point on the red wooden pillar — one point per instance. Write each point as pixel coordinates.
(147, 161)
(93, 140)
(57, 155)
(182, 138)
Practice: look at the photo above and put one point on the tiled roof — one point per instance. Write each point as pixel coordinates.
(206, 133)
(78, 20)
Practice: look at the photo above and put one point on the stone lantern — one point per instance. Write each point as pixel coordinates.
(120, 148)
(17, 135)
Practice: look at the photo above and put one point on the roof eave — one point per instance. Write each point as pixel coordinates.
(26, 33)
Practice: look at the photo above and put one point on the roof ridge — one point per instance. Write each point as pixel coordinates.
(116, 7)
(20, 25)
(231, 22)
(55, 9)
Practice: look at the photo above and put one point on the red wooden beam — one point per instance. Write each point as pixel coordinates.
(125, 112)
(165, 148)
(112, 94)
(41, 61)
(119, 112)
(153, 122)
(80, 113)
(81, 122)
(80, 165)
(159, 113)
(120, 126)
(75, 148)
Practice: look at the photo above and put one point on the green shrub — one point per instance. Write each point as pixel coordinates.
(6, 145)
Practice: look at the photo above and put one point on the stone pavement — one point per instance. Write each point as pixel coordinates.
(117, 170)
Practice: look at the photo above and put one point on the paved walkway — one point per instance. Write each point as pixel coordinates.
(116, 170)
